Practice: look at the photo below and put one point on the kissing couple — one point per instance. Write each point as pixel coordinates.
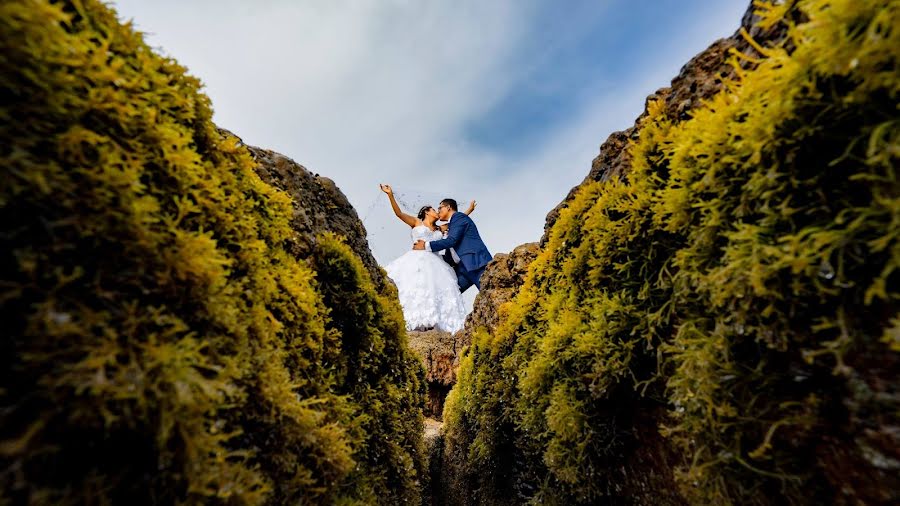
(447, 258)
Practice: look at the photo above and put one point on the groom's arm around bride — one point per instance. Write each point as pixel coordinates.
(463, 237)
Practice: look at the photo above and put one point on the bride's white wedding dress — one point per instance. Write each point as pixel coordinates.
(429, 293)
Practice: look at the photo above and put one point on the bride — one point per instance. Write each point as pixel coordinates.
(429, 293)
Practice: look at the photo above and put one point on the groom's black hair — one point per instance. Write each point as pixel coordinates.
(451, 204)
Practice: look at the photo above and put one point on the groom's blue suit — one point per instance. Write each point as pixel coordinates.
(473, 254)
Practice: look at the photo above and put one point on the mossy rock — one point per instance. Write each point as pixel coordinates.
(161, 344)
(737, 289)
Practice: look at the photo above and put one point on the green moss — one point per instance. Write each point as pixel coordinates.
(378, 371)
(160, 345)
(744, 275)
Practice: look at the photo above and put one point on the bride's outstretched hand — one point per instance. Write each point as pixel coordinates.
(471, 207)
(405, 218)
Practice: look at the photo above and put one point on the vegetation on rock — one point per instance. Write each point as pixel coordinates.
(378, 372)
(741, 279)
(160, 343)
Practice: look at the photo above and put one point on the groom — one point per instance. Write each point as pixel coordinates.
(464, 239)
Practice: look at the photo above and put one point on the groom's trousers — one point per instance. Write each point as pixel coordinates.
(465, 279)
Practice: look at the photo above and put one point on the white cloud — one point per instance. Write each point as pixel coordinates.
(362, 92)
(370, 92)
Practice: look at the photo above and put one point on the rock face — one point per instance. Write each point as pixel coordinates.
(439, 352)
(499, 283)
(319, 206)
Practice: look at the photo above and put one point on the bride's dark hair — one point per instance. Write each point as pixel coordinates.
(422, 212)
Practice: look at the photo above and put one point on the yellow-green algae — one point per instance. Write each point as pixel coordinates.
(743, 275)
(159, 344)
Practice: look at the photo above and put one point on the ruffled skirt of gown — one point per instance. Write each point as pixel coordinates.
(429, 293)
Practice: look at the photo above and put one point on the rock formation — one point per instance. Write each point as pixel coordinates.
(318, 206)
(499, 283)
(186, 319)
(684, 334)
(439, 352)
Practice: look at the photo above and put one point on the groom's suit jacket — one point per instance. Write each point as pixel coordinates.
(464, 238)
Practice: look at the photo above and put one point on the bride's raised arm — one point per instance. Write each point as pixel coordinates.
(405, 218)
(471, 207)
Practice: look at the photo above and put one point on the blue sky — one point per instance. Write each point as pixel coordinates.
(576, 53)
(506, 102)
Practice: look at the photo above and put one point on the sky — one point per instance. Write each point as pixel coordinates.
(504, 102)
